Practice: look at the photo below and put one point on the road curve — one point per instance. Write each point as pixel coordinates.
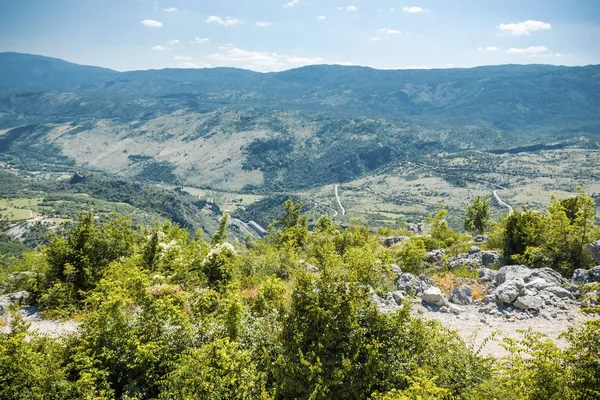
(503, 204)
(337, 196)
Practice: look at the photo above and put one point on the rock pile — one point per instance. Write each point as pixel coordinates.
(476, 258)
(532, 291)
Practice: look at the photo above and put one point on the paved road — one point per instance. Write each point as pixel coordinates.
(503, 204)
(337, 196)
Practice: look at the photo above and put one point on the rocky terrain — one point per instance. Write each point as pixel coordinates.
(518, 298)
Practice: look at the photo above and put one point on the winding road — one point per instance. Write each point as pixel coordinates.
(337, 196)
(510, 209)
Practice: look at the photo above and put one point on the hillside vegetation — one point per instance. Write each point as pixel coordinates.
(294, 315)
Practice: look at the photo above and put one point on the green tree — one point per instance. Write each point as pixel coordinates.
(478, 215)
(221, 234)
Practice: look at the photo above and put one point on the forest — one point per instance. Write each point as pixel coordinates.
(164, 313)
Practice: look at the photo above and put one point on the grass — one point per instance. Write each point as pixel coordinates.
(447, 281)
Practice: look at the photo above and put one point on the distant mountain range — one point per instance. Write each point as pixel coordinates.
(539, 98)
(233, 128)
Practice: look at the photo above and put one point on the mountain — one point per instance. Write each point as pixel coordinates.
(24, 72)
(235, 129)
(510, 97)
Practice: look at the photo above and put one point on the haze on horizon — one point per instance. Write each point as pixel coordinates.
(274, 35)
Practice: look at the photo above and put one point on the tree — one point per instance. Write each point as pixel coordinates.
(478, 215)
(221, 234)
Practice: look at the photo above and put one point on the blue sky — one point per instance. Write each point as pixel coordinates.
(272, 35)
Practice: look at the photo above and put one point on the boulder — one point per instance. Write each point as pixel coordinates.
(528, 303)
(594, 274)
(433, 296)
(594, 250)
(391, 240)
(510, 272)
(489, 257)
(408, 284)
(580, 276)
(473, 250)
(508, 291)
(461, 295)
(487, 275)
(435, 256)
(415, 228)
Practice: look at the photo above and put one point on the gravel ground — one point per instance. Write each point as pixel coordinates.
(475, 327)
(42, 326)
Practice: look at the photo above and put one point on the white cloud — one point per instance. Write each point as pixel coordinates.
(262, 24)
(385, 31)
(376, 38)
(198, 40)
(260, 60)
(532, 50)
(413, 10)
(172, 42)
(184, 58)
(189, 64)
(321, 18)
(351, 8)
(488, 48)
(160, 48)
(170, 9)
(524, 28)
(292, 3)
(150, 23)
(225, 22)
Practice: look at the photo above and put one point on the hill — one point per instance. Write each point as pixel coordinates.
(537, 98)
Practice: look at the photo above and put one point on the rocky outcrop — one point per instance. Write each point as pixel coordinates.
(594, 250)
(476, 258)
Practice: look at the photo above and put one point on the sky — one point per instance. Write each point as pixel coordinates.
(275, 35)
